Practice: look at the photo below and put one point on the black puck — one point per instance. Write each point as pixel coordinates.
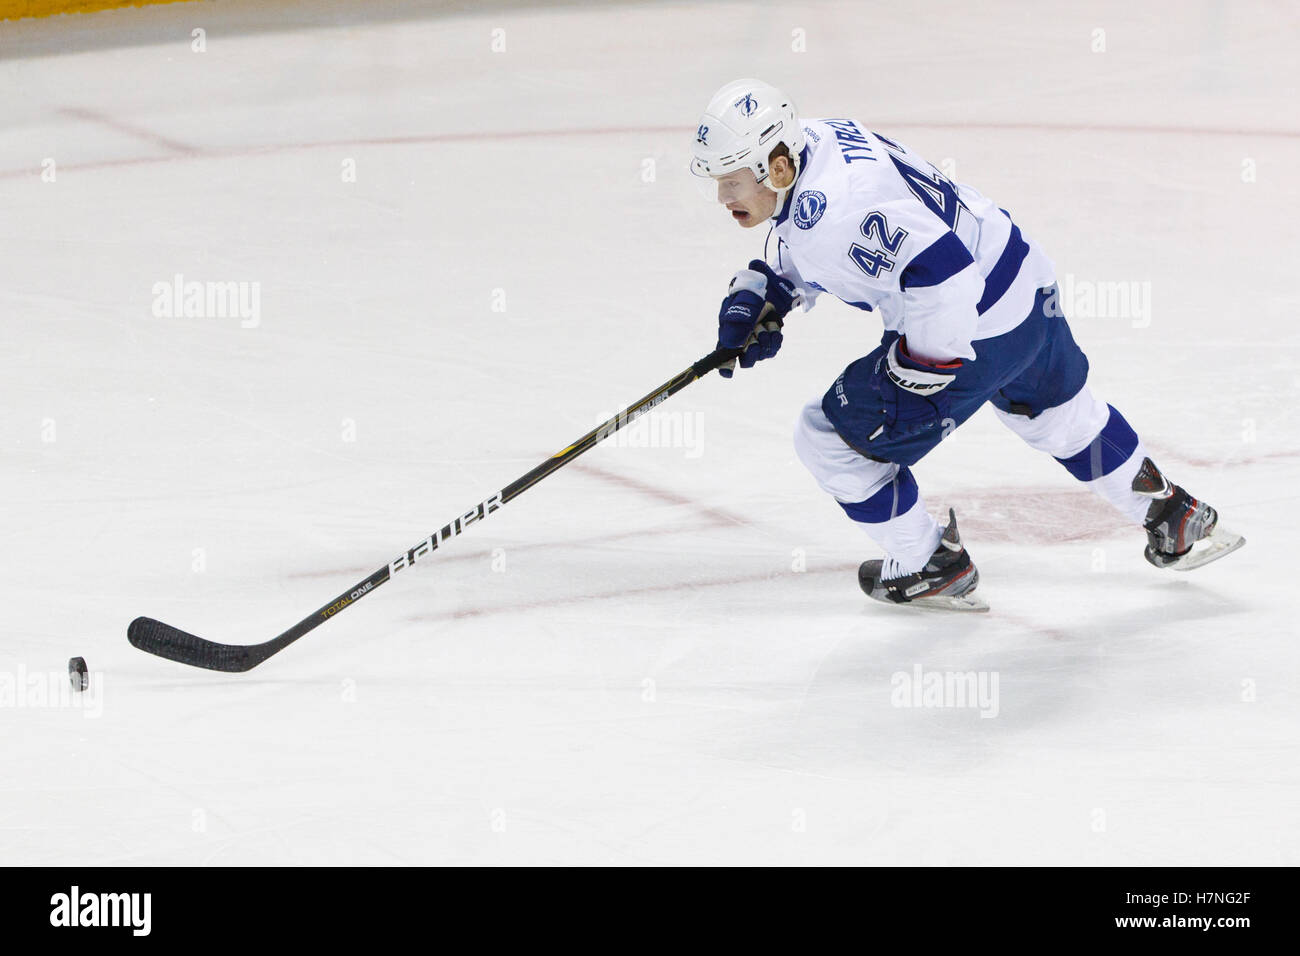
(78, 673)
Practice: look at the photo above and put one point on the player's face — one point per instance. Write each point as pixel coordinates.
(748, 200)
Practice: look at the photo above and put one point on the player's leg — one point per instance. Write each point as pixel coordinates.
(924, 560)
(1092, 440)
(1051, 407)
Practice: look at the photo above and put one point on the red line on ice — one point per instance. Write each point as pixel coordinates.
(183, 151)
(716, 515)
(103, 119)
(461, 557)
(561, 600)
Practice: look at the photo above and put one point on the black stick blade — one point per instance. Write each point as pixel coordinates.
(163, 640)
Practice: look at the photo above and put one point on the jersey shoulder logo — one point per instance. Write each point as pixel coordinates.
(808, 208)
(746, 104)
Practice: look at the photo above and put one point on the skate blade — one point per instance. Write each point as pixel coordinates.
(1219, 543)
(942, 602)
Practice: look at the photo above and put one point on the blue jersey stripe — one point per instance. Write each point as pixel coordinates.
(1005, 270)
(938, 262)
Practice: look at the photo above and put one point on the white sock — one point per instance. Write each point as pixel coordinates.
(908, 540)
(1117, 488)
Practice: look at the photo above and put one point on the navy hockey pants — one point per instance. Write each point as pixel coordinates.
(1034, 367)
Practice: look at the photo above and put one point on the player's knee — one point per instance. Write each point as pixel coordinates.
(1063, 430)
(810, 436)
(838, 470)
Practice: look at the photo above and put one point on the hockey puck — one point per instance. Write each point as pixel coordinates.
(78, 673)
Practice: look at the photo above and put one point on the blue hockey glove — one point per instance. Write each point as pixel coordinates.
(752, 315)
(912, 392)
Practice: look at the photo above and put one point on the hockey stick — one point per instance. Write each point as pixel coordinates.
(163, 640)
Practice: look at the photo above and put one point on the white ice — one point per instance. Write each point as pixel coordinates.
(659, 655)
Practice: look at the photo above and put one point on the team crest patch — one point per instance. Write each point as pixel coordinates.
(808, 208)
(746, 104)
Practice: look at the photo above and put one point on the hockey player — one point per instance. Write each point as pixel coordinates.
(971, 315)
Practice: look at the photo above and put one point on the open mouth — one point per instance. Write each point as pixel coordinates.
(740, 215)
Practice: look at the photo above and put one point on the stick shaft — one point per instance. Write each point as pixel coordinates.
(174, 644)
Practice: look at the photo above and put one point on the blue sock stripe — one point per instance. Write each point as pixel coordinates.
(894, 499)
(1113, 446)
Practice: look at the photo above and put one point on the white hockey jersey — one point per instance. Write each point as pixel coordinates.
(873, 224)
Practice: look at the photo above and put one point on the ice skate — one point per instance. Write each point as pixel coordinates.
(947, 582)
(1182, 532)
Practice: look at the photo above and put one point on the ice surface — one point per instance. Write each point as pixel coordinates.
(625, 665)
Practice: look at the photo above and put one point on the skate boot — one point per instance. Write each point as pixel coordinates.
(947, 581)
(1182, 532)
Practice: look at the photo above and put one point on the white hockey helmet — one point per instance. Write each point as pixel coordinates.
(742, 124)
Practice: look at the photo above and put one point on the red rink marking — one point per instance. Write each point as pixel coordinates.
(710, 513)
(1034, 516)
(149, 136)
(709, 517)
(476, 555)
(1231, 459)
(620, 593)
(183, 151)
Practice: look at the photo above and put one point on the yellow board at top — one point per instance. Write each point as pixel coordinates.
(16, 9)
